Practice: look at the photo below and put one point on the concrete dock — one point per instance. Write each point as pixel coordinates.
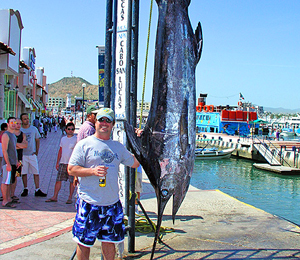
(285, 152)
(277, 169)
(209, 225)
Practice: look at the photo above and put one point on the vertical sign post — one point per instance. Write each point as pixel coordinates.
(101, 59)
(120, 79)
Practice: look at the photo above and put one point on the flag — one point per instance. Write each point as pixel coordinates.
(241, 96)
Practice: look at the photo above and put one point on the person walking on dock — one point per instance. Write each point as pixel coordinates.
(21, 144)
(67, 144)
(30, 162)
(9, 162)
(88, 127)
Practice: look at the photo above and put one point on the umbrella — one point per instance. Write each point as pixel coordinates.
(258, 121)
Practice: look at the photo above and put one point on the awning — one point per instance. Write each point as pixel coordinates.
(25, 101)
(34, 104)
(4, 49)
(24, 65)
(40, 104)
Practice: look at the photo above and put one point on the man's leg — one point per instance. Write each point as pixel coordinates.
(38, 192)
(108, 250)
(24, 172)
(72, 188)
(5, 189)
(82, 252)
(25, 190)
(24, 179)
(13, 188)
(36, 178)
(57, 188)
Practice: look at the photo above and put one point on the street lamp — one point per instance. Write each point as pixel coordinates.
(75, 106)
(83, 86)
(8, 85)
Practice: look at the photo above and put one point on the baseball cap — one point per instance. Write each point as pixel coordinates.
(106, 112)
(92, 109)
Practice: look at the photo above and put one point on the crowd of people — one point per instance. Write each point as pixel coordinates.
(85, 161)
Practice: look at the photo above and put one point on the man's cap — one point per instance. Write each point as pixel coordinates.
(106, 112)
(92, 109)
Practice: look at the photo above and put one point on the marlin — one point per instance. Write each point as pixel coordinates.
(166, 149)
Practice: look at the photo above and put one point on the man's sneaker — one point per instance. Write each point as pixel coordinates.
(24, 193)
(39, 193)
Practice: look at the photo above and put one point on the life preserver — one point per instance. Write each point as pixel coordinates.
(211, 108)
(205, 108)
(240, 103)
(199, 108)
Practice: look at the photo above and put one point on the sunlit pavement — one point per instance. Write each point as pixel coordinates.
(209, 225)
(33, 218)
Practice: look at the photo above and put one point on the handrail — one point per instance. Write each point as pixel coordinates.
(267, 146)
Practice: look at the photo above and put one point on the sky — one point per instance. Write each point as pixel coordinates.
(249, 46)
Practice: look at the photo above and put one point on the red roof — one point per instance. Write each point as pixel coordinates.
(23, 65)
(4, 49)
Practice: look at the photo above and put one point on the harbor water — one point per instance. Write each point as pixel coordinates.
(273, 193)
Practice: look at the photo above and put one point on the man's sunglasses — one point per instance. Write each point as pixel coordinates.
(71, 129)
(102, 119)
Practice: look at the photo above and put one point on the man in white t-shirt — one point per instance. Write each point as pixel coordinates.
(67, 144)
(30, 161)
(95, 161)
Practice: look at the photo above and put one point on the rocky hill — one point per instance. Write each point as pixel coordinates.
(73, 85)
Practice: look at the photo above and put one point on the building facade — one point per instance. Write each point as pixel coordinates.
(23, 88)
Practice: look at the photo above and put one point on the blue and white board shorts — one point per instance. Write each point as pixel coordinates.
(102, 222)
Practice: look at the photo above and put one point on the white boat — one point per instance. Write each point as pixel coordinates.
(212, 153)
(286, 133)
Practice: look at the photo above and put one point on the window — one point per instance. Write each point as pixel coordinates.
(9, 103)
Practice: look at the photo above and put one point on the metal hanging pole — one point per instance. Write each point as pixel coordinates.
(114, 44)
(132, 63)
(135, 35)
(107, 65)
(130, 182)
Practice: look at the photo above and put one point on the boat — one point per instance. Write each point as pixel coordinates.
(233, 120)
(286, 133)
(212, 153)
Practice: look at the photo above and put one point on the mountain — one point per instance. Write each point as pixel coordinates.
(73, 85)
(281, 110)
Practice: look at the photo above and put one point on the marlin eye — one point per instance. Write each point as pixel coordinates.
(165, 193)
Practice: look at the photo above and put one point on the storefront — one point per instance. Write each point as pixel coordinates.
(10, 45)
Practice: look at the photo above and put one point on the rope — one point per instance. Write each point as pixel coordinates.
(146, 63)
(142, 225)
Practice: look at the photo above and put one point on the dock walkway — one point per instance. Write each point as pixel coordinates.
(209, 225)
(277, 168)
(276, 153)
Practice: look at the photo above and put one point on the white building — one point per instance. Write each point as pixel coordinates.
(10, 49)
(56, 102)
(68, 103)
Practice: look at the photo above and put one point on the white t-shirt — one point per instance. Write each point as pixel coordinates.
(31, 134)
(67, 144)
(91, 152)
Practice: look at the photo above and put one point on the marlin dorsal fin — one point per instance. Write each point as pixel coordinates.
(199, 41)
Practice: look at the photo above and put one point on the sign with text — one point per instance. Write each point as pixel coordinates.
(120, 82)
(101, 59)
(29, 59)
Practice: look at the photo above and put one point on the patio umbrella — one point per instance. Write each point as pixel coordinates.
(258, 121)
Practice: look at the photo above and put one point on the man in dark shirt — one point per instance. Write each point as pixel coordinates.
(21, 144)
(9, 162)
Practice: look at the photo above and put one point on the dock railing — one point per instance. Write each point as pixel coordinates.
(269, 151)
